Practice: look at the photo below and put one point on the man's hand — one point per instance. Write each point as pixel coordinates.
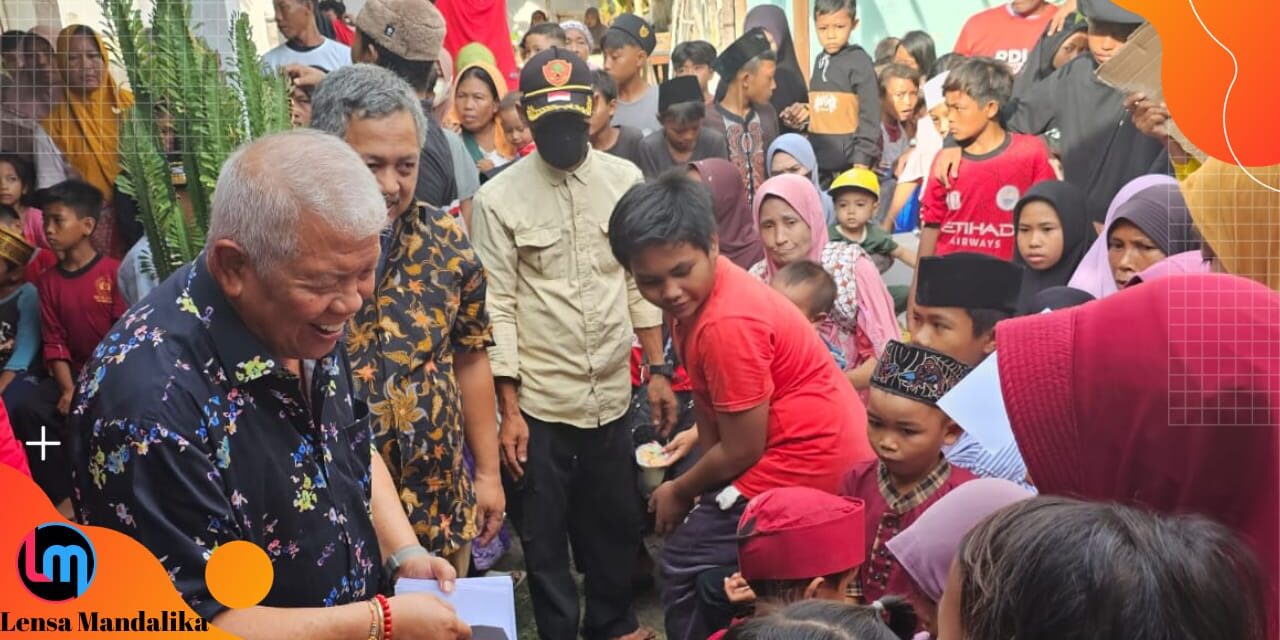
(426, 567)
(795, 116)
(64, 402)
(737, 589)
(513, 436)
(662, 404)
(681, 444)
(485, 164)
(1150, 117)
(947, 167)
(491, 504)
(304, 76)
(669, 507)
(425, 617)
(1060, 18)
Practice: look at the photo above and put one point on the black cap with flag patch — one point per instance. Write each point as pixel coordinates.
(555, 80)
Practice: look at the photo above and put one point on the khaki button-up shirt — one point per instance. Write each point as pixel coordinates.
(561, 307)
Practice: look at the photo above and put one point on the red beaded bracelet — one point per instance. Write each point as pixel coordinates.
(386, 616)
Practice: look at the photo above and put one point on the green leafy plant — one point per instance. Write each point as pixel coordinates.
(179, 83)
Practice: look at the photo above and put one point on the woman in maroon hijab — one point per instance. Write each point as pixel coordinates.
(1164, 396)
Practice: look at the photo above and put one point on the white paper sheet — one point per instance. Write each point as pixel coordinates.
(975, 403)
(487, 604)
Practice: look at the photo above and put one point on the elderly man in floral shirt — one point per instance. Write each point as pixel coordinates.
(219, 408)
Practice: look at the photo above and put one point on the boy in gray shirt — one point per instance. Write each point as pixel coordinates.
(627, 46)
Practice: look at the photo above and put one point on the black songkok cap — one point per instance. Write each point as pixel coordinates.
(969, 281)
(677, 90)
(751, 44)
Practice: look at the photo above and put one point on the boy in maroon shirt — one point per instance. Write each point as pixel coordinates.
(79, 303)
(976, 212)
(908, 431)
(773, 409)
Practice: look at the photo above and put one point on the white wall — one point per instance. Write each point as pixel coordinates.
(213, 17)
(24, 14)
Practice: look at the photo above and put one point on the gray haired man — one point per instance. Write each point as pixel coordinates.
(405, 36)
(418, 348)
(219, 408)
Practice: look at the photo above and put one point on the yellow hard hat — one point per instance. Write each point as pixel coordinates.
(856, 178)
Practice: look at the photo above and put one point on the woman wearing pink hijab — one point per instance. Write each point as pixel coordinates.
(1094, 275)
(788, 213)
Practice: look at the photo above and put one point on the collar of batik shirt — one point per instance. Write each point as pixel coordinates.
(242, 356)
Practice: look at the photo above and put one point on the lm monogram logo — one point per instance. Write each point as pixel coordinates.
(56, 562)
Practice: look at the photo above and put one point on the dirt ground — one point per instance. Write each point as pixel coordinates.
(648, 607)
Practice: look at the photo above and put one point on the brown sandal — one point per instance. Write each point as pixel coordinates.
(641, 633)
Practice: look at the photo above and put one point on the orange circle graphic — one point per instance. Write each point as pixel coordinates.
(239, 574)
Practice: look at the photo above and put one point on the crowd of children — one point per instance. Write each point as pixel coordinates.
(1004, 223)
(837, 477)
(56, 305)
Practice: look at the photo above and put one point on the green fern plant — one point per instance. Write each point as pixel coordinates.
(213, 111)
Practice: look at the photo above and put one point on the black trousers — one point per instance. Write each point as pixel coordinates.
(577, 490)
(36, 409)
(707, 540)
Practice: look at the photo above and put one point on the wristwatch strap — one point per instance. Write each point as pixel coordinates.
(398, 558)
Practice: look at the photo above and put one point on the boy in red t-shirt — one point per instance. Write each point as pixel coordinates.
(976, 212)
(79, 303)
(773, 409)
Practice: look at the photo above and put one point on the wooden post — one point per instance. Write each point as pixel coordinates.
(800, 35)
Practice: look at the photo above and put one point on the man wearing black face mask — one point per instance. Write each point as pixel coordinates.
(561, 356)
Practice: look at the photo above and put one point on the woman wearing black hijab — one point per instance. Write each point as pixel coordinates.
(1054, 232)
(791, 87)
(1055, 299)
(1153, 225)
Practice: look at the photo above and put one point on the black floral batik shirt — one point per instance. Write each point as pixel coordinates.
(187, 434)
(429, 305)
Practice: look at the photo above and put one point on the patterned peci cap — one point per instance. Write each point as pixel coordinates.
(917, 373)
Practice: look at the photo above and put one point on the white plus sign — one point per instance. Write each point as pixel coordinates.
(44, 443)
